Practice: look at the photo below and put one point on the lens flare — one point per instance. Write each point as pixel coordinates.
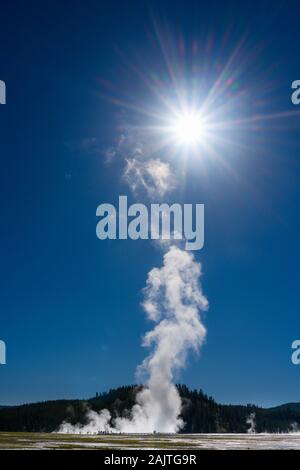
(188, 128)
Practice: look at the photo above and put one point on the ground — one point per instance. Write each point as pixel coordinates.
(10, 440)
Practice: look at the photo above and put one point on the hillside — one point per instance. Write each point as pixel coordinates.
(288, 406)
(200, 412)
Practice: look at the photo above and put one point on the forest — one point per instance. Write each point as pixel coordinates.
(200, 412)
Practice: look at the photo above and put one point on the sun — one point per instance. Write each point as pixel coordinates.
(188, 128)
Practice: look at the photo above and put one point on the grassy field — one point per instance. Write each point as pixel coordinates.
(134, 441)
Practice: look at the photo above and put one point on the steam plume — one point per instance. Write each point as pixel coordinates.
(295, 428)
(174, 301)
(251, 421)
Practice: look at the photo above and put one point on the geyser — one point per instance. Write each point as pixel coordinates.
(174, 301)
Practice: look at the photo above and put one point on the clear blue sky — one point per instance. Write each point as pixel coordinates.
(69, 303)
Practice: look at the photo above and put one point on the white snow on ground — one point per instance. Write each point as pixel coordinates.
(151, 441)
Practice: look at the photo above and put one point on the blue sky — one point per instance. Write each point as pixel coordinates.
(70, 303)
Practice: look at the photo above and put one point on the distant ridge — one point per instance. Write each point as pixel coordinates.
(287, 406)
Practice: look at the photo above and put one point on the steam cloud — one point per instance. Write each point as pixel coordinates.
(175, 302)
(144, 172)
(251, 421)
(153, 175)
(295, 428)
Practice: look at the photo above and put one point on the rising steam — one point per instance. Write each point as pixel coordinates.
(174, 301)
(251, 421)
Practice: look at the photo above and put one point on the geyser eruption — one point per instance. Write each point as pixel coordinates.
(251, 421)
(295, 428)
(174, 301)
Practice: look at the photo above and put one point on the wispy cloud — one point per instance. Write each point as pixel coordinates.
(153, 176)
(143, 171)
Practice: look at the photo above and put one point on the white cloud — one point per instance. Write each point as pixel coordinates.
(154, 176)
